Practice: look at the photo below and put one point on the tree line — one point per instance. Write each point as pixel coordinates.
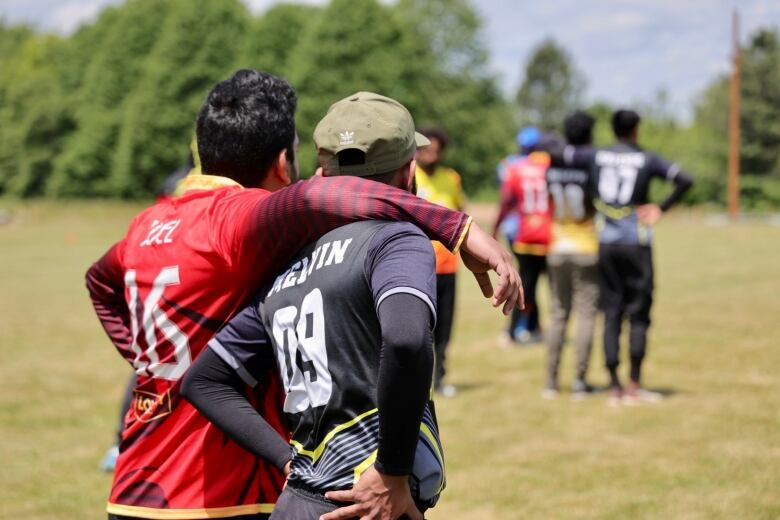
(109, 111)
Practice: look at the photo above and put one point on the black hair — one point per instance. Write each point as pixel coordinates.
(578, 128)
(243, 125)
(624, 122)
(436, 133)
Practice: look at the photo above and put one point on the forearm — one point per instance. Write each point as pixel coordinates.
(405, 373)
(306, 210)
(214, 388)
(105, 283)
(682, 183)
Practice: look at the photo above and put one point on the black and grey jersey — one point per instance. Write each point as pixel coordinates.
(320, 324)
(622, 175)
(572, 190)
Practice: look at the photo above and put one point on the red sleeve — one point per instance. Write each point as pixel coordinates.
(105, 283)
(283, 222)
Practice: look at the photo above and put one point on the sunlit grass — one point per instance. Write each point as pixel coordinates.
(711, 450)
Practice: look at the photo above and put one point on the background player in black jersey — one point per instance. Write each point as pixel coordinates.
(349, 327)
(624, 219)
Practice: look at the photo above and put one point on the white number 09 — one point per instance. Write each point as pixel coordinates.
(301, 353)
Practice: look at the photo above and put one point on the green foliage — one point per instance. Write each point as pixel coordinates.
(760, 108)
(84, 167)
(196, 48)
(33, 113)
(552, 87)
(272, 37)
(109, 111)
(759, 125)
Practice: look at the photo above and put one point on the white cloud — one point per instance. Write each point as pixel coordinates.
(258, 6)
(70, 15)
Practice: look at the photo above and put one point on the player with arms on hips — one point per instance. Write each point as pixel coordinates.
(187, 264)
(624, 219)
(349, 327)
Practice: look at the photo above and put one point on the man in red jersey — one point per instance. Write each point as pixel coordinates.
(524, 192)
(187, 264)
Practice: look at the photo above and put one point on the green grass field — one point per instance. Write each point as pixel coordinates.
(711, 450)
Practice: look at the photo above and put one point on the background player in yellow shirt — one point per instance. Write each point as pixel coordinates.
(440, 185)
(572, 260)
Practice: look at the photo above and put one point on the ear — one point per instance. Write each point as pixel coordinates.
(279, 169)
(411, 172)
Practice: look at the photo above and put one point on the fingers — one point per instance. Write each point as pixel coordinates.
(485, 284)
(510, 289)
(343, 512)
(346, 495)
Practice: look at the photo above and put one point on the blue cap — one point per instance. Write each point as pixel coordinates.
(529, 136)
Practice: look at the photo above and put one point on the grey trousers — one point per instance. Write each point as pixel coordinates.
(574, 281)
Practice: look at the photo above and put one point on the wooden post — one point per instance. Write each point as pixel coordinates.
(733, 174)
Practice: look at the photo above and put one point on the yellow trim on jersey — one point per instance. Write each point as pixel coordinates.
(187, 514)
(194, 181)
(463, 235)
(530, 249)
(317, 452)
(363, 466)
(432, 438)
(613, 213)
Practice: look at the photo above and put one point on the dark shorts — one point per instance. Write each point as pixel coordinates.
(258, 516)
(298, 503)
(626, 280)
(295, 504)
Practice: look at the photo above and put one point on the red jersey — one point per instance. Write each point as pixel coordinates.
(185, 266)
(525, 192)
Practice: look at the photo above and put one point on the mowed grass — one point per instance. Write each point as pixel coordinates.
(711, 450)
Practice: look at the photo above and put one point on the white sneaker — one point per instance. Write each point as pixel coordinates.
(635, 395)
(109, 459)
(448, 391)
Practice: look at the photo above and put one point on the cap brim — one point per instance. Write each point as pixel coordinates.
(421, 140)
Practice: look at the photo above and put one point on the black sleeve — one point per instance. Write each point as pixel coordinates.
(670, 172)
(215, 389)
(405, 373)
(682, 183)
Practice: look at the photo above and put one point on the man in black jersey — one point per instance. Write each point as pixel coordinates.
(349, 327)
(624, 219)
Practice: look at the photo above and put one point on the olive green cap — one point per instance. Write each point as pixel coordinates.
(378, 126)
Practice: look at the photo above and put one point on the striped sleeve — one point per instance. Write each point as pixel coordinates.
(290, 218)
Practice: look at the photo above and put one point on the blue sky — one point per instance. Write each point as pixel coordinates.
(627, 49)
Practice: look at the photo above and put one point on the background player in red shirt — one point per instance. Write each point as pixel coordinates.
(524, 193)
(187, 264)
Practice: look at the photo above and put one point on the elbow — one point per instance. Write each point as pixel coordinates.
(412, 350)
(684, 181)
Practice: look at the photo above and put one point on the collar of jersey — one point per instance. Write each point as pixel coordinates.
(206, 182)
